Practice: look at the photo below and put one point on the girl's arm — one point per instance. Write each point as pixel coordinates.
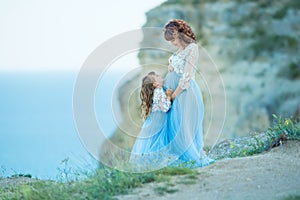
(164, 102)
(191, 60)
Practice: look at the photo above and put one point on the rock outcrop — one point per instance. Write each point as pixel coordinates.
(254, 46)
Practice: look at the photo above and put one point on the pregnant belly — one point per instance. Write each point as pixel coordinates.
(171, 81)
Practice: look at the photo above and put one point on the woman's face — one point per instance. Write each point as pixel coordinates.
(176, 42)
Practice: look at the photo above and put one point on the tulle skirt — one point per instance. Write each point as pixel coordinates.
(151, 150)
(185, 124)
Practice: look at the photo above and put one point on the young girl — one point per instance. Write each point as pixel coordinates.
(150, 150)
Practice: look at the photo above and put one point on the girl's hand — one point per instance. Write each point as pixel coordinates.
(170, 68)
(169, 92)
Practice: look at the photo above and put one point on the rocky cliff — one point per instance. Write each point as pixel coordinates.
(255, 48)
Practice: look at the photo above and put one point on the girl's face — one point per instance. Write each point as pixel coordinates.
(158, 80)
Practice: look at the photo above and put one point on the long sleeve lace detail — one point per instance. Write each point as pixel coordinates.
(185, 63)
(160, 101)
(184, 81)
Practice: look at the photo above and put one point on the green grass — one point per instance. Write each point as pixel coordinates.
(164, 175)
(161, 190)
(273, 42)
(283, 129)
(171, 171)
(103, 184)
(186, 177)
(291, 71)
(186, 182)
(281, 12)
(292, 197)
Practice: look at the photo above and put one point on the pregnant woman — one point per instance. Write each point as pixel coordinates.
(185, 118)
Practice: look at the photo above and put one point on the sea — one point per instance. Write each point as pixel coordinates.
(38, 134)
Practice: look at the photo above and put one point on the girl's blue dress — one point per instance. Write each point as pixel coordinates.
(150, 151)
(185, 118)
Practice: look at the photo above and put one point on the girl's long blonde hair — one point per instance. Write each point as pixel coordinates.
(146, 94)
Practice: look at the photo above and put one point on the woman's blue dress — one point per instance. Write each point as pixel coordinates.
(185, 118)
(174, 136)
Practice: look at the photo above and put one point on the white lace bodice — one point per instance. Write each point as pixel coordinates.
(160, 101)
(185, 63)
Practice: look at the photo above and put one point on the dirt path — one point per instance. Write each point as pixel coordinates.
(271, 175)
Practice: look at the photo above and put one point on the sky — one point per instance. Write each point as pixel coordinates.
(60, 34)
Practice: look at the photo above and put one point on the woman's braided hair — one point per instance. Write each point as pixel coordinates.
(185, 32)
